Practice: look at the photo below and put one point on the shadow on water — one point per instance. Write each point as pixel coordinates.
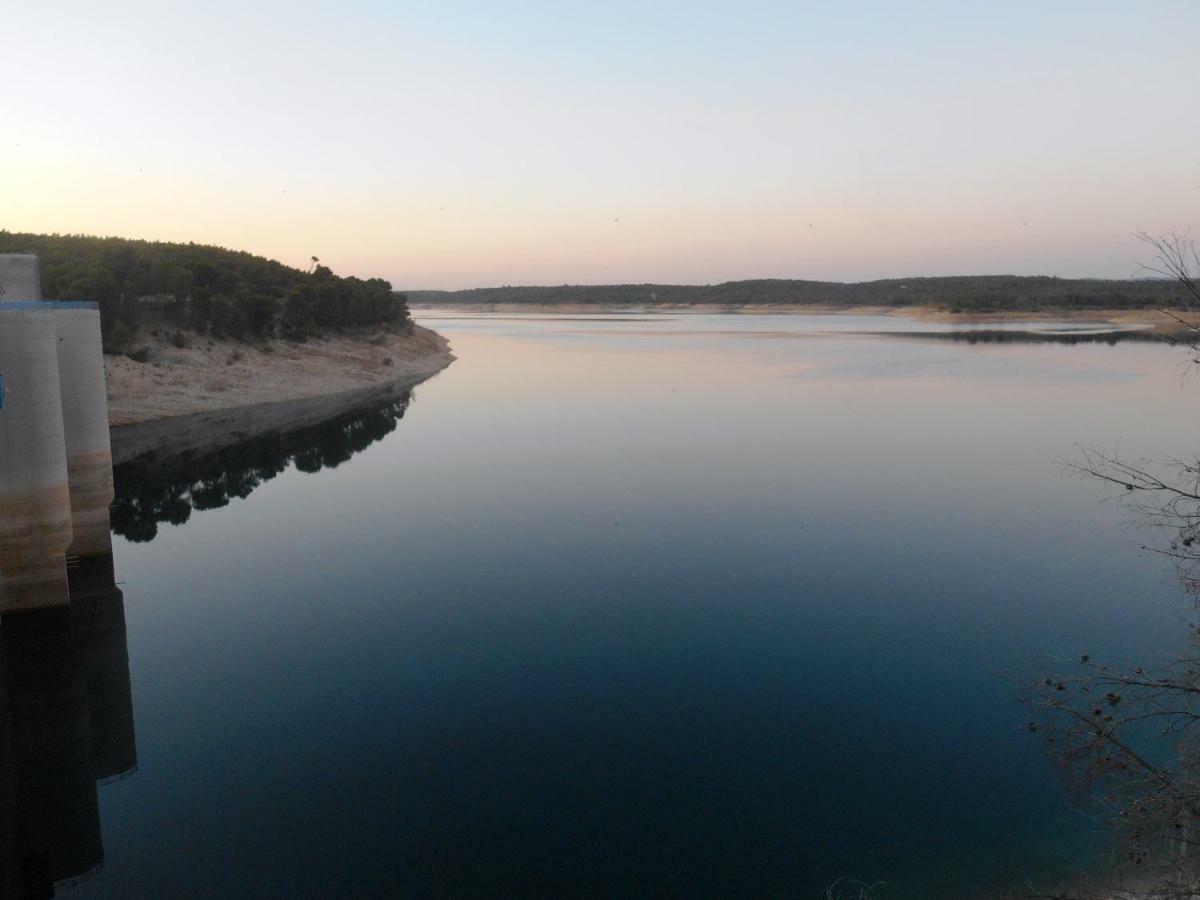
(66, 726)
(149, 493)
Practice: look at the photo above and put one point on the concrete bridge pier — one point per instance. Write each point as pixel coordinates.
(54, 440)
(85, 429)
(35, 504)
(20, 278)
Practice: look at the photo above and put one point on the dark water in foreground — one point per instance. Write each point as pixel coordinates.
(689, 606)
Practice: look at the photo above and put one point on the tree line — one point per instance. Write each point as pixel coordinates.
(964, 293)
(204, 289)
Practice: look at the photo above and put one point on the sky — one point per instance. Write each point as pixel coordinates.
(465, 144)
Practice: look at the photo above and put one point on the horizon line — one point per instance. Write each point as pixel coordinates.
(684, 284)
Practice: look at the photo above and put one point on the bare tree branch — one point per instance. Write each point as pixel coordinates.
(1128, 738)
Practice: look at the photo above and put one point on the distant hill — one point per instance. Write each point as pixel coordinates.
(967, 293)
(201, 288)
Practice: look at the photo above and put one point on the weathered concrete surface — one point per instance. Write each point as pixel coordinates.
(85, 428)
(54, 439)
(35, 528)
(91, 493)
(20, 278)
(35, 507)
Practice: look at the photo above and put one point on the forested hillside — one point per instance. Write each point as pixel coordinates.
(203, 289)
(970, 293)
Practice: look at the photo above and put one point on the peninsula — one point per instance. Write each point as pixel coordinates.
(206, 346)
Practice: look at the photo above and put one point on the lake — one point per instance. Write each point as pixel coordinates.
(641, 605)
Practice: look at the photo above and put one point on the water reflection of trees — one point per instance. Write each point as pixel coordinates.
(149, 495)
(1011, 336)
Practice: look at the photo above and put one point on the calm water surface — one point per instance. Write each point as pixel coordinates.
(643, 606)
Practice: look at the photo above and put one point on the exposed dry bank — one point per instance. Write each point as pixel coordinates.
(817, 309)
(1165, 322)
(183, 399)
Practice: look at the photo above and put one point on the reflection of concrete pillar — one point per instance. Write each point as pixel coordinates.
(35, 510)
(85, 421)
(9, 884)
(57, 833)
(20, 278)
(98, 620)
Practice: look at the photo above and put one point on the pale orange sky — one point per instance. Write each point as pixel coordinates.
(476, 143)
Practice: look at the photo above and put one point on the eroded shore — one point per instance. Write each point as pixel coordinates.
(1160, 320)
(198, 398)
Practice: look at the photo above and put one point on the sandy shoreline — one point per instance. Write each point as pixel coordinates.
(159, 442)
(214, 393)
(1152, 317)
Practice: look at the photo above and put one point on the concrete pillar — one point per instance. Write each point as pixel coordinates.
(85, 424)
(20, 278)
(35, 506)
